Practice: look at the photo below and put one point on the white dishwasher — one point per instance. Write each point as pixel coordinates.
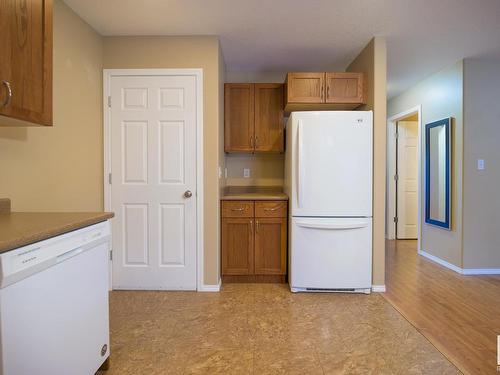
(54, 315)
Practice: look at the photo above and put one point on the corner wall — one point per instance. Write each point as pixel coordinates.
(372, 61)
(60, 168)
(186, 52)
(440, 96)
(481, 210)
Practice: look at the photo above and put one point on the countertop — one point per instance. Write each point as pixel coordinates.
(257, 193)
(22, 228)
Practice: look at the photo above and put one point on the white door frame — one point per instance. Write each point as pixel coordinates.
(198, 74)
(391, 171)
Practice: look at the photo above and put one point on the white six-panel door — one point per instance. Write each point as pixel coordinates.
(153, 184)
(407, 183)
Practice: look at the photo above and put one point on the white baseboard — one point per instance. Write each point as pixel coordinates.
(481, 271)
(440, 261)
(378, 288)
(210, 287)
(462, 271)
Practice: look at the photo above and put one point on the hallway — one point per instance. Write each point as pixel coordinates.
(459, 315)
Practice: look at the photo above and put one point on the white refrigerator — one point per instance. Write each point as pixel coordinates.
(328, 178)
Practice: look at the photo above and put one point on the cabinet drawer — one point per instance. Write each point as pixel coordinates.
(271, 209)
(237, 209)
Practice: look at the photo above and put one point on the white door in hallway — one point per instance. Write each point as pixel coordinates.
(153, 123)
(407, 184)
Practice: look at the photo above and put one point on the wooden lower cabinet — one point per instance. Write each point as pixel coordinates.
(270, 246)
(237, 246)
(254, 249)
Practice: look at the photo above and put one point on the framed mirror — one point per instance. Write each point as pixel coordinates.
(437, 173)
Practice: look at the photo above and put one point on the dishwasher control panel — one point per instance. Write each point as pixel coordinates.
(19, 263)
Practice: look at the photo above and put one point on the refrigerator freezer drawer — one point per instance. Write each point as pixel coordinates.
(331, 254)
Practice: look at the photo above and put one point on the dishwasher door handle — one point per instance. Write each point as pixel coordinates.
(69, 254)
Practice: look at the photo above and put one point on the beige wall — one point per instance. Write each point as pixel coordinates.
(186, 52)
(266, 169)
(440, 96)
(372, 61)
(59, 168)
(255, 77)
(481, 213)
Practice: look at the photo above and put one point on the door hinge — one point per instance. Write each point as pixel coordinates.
(395, 219)
(109, 178)
(109, 101)
(110, 254)
(396, 177)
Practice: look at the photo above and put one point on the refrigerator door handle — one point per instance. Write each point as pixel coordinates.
(306, 224)
(299, 164)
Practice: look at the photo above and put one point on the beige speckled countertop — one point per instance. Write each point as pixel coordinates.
(22, 228)
(253, 193)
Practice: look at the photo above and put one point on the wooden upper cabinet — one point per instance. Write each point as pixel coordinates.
(237, 246)
(344, 88)
(269, 117)
(323, 91)
(239, 117)
(26, 60)
(305, 87)
(253, 117)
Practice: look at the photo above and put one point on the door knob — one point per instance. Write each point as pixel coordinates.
(188, 194)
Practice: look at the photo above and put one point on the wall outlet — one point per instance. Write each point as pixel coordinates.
(246, 172)
(480, 164)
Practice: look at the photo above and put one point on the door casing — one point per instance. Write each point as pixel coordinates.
(391, 171)
(198, 73)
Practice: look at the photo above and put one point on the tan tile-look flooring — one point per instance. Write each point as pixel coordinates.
(264, 329)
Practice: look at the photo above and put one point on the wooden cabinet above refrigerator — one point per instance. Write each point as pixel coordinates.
(316, 91)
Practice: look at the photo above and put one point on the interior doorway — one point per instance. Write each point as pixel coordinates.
(153, 177)
(406, 178)
(404, 162)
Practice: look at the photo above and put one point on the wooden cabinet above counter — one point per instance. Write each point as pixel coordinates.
(253, 117)
(26, 63)
(316, 91)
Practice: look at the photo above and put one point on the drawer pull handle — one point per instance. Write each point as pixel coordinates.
(238, 209)
(272, 209)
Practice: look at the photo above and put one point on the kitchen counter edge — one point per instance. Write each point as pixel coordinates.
(19, 229)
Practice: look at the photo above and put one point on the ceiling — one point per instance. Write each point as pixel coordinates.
(284, 35)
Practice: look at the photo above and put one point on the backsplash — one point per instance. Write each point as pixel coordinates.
(265, 169)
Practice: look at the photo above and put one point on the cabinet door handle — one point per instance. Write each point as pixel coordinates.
(322, 92)
(251, 141)
(257, 226)
(238, 209)
(251, 225)
(256, 141)
(9, 93)
(327, 91)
